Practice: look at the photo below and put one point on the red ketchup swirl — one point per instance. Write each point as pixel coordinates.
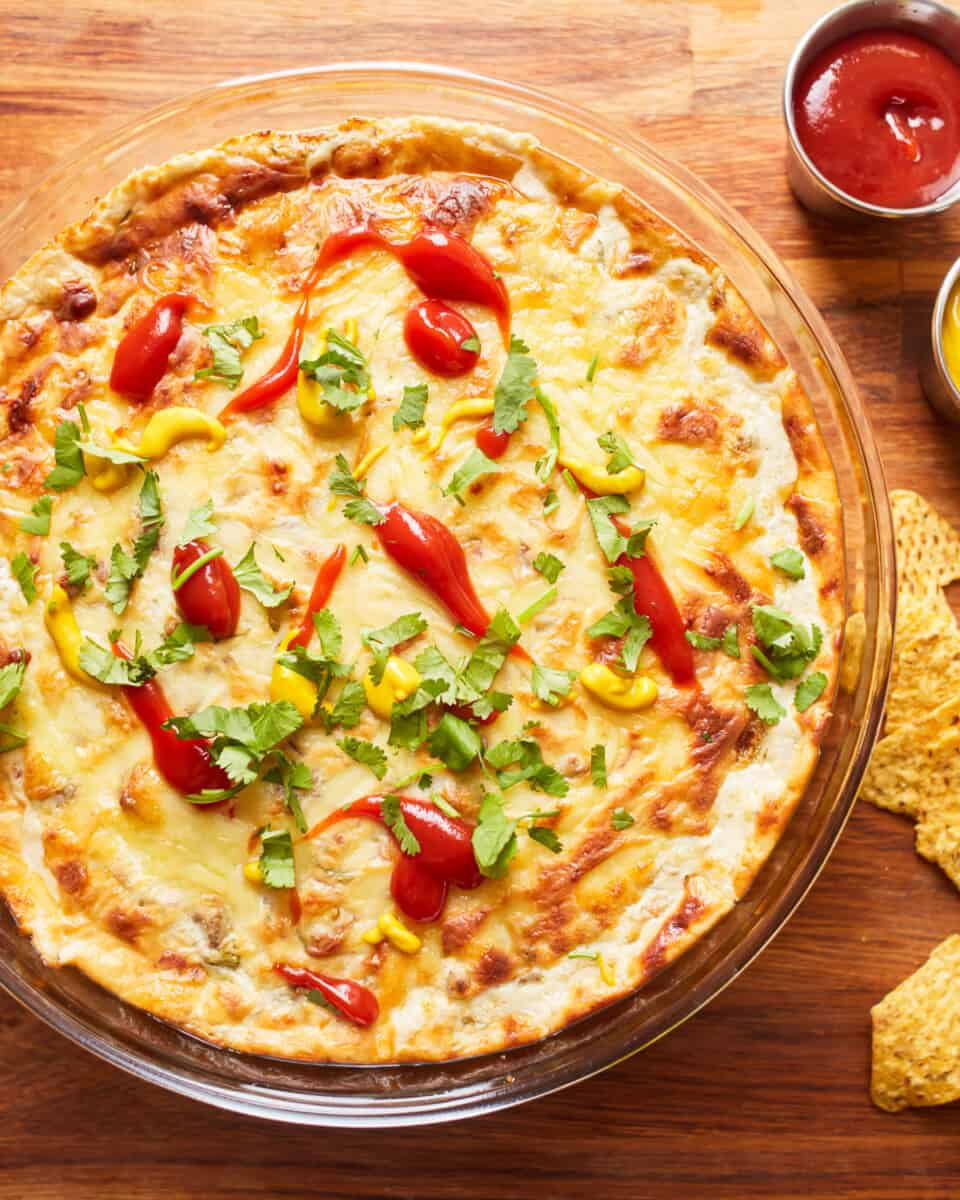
(436, 335)
(443, 265)
(141, 358)
(185, 763)
(419, 882)
(211, 595)
(357, 1003)
(879, 115)
(323, 585)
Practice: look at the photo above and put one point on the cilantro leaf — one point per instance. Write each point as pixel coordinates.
(809, 690)
(471, 344)
(368, 754)
(292, 777)
(228, 342)
(77, 566)
(68, 456)
(551, 502)
(248, 575)
(455, 743)
(790, 562)
(358, 508)
(537, 606)
(106, 666)
(601, 508)
(620, 457)
(549, 566)
(788, 645)
(598, 766)
(525, 759)
(381, 641)
(489, 656)
(515, 388)
(24, 572)
(546, 464)
(392, 816)
(546, 837)
(123, 571)
(199, 524)
(126, 568)
(494, 839)
(412, 407)
(112, 454)
(359, 552)
(592, 369)
(640, 633)
(620, 819)
(178, 646)
(364, 512)
(474, 467)
(761, 700)
(701, 641)
(39, 520)
(550, 685)
(341, 371)
(277, 867)
(11, 681)
(348, 707)
(730, 644)
(408, 721)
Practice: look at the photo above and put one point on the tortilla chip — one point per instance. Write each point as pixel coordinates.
(928, 548)
(916, 1035)
(915, 619)
(926, 674)
(916, 771)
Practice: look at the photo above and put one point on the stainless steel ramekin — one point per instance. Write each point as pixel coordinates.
(925, 18)
(938, 386)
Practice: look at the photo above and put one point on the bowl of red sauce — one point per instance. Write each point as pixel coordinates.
(872, 106)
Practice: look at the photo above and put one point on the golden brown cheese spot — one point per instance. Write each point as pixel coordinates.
(655, 956)
(457, 930)
(575, 226)
(722, 571)
(127, 923)
(740, 336)
(71, 875)
(18, 409)
(632, 262)
(813, 536)
(493, 967)
(659, 322)
(714, 730)
(41, 779)
(140, 794)
(687, 422)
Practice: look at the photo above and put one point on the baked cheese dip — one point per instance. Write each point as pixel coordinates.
(421, 590)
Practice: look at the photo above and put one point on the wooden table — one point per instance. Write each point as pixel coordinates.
(765, 1093)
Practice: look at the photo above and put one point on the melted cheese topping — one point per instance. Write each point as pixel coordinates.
(109, 869)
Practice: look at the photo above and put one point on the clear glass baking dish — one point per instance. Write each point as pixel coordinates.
(399, 1095)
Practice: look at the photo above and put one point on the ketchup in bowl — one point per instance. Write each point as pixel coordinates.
(878, 113)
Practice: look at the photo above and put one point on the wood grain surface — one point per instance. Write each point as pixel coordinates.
(764, 1094)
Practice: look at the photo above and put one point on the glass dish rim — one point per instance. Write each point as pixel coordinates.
(467, 1101)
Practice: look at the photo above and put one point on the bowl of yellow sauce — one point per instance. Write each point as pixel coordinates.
(940, 374)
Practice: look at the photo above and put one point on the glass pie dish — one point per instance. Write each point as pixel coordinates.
(334, 1095)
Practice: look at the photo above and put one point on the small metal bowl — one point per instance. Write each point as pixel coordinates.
(936, 381)
(925, 18)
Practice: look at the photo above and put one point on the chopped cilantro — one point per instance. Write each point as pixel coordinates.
(455, 743)
(809, 690)
(790, 562)
(68, 456)
(515, 388)
(620, 819)
(359, 552)
(551, 686)
(381, 641)
(342, 373)
(471, 344)
(277, 869)
(728, 643)
(227, 343)
(126, 568)
(368, 754)
(293, 777)
(199, 524)
(112, 454)
(788, 645)
(391, 814)
(598, 766)
(551, 502)
(520, 760)
(25, 572)
(592, 369)
(358, 507)
(77, 566)
(248, 575)
(494, 838)
(412, 407)
(109, 668)
(347, 708)
(473, 467)
(441, 802)
(11, 680)
(39, 520)
(545, 465)
(549, 566)
(546, 837)
(761, 700)
(620, 457)
(178, 646)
